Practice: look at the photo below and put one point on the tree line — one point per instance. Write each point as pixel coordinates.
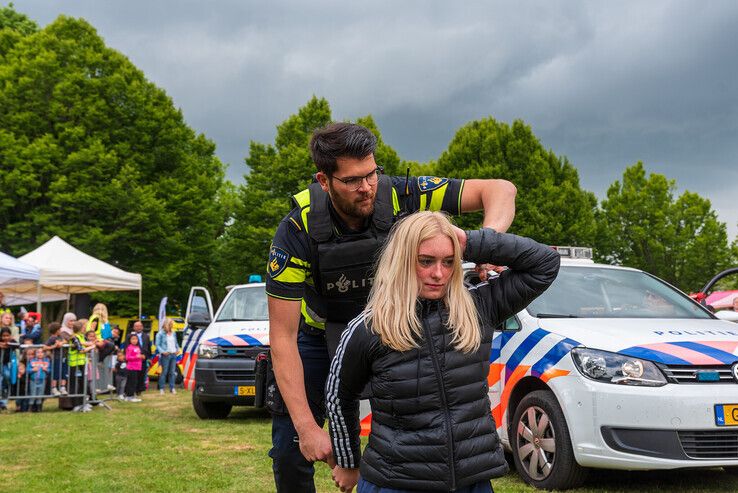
(92, 151)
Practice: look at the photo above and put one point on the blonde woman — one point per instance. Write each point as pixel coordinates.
(167, 347)
(99, 318)
(7, 319)
(422, 346)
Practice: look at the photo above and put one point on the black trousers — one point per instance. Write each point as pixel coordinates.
(141, 385)
(132, 382)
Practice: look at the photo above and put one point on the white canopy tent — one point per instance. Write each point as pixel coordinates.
(64, 270)
(14, 273)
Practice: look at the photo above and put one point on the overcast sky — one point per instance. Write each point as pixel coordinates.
(604, 83)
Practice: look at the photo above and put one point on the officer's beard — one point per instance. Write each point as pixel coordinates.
(358, 208)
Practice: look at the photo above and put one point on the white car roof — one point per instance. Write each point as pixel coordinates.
(249, 285)
(570, 262)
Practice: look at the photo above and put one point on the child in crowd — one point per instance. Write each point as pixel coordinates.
(66, 334)
(58, 361)
(120, 374)
(7, 346)
(21, 388)
(134, 364)
(38, 371)
(92, 369)
(27, 352)
(116, 337)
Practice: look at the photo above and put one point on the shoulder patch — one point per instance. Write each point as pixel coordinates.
(430, 183)
(278, 260)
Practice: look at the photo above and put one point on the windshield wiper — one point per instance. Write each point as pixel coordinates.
(234, 320)
(556, 315)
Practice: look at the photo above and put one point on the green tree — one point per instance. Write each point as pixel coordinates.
(551, 206)
(276, 173)
(93, 152)
(13, 27)
(641, 225)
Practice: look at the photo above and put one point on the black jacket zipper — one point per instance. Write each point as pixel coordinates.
(442, 392)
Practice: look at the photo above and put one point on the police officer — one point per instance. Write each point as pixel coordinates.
(320, 272)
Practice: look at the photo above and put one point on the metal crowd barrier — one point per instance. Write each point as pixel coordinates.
(30, 380)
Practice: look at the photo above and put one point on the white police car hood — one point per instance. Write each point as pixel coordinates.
(240, 333)
(668, 341)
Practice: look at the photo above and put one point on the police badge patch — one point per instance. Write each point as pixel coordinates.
(278, 260)
(430, 183)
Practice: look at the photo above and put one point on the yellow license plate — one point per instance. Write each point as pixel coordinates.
(246, 390)
(726, 414)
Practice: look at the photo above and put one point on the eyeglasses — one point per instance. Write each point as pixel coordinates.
(354, 182)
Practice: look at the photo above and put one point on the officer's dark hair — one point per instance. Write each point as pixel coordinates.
(340, 140)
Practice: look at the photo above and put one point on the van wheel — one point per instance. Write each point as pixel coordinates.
(210, 410)
(541, 444)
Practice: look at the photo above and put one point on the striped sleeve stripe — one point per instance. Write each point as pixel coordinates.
(341, 439)
(283, 297)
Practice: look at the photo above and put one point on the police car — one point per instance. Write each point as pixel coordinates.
(614, 368)
(224, 357)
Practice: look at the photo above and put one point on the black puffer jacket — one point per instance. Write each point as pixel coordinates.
(432, 429)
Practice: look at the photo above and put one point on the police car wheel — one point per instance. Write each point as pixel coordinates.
(541, 444)
(210, 410)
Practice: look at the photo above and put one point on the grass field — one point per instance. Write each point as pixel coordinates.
(160, 445)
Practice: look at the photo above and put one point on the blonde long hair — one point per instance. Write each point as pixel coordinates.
(391, 310)
(102, 312)
(168, 324)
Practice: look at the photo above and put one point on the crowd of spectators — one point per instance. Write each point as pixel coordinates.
(79, 356)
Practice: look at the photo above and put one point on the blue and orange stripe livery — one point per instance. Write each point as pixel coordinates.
(687, 352)
(234, 341)
(544, 368)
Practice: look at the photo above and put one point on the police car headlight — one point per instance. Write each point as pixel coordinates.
(206, 351)
(607, 367)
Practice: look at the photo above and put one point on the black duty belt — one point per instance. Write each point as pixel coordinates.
(312, 331)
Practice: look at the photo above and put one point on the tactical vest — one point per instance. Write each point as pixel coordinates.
(342, 265)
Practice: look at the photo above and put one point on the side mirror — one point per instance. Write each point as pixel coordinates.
(199, 320)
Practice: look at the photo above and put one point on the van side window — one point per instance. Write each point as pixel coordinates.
(512, 324)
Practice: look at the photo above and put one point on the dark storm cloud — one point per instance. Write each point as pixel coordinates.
(604, 83)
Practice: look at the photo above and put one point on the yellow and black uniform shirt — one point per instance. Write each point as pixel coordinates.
(289, 274)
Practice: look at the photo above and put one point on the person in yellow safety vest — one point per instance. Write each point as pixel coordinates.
(78, 349)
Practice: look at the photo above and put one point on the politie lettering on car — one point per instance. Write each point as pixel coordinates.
(612, 368)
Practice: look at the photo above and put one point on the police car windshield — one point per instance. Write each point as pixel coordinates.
(612, 293)
(244, 304)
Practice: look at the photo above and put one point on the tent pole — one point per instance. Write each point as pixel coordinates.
(38, 296)
(139, 303)
(67, 298)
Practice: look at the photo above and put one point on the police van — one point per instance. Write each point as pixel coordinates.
(224, 355)
(614, 368)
